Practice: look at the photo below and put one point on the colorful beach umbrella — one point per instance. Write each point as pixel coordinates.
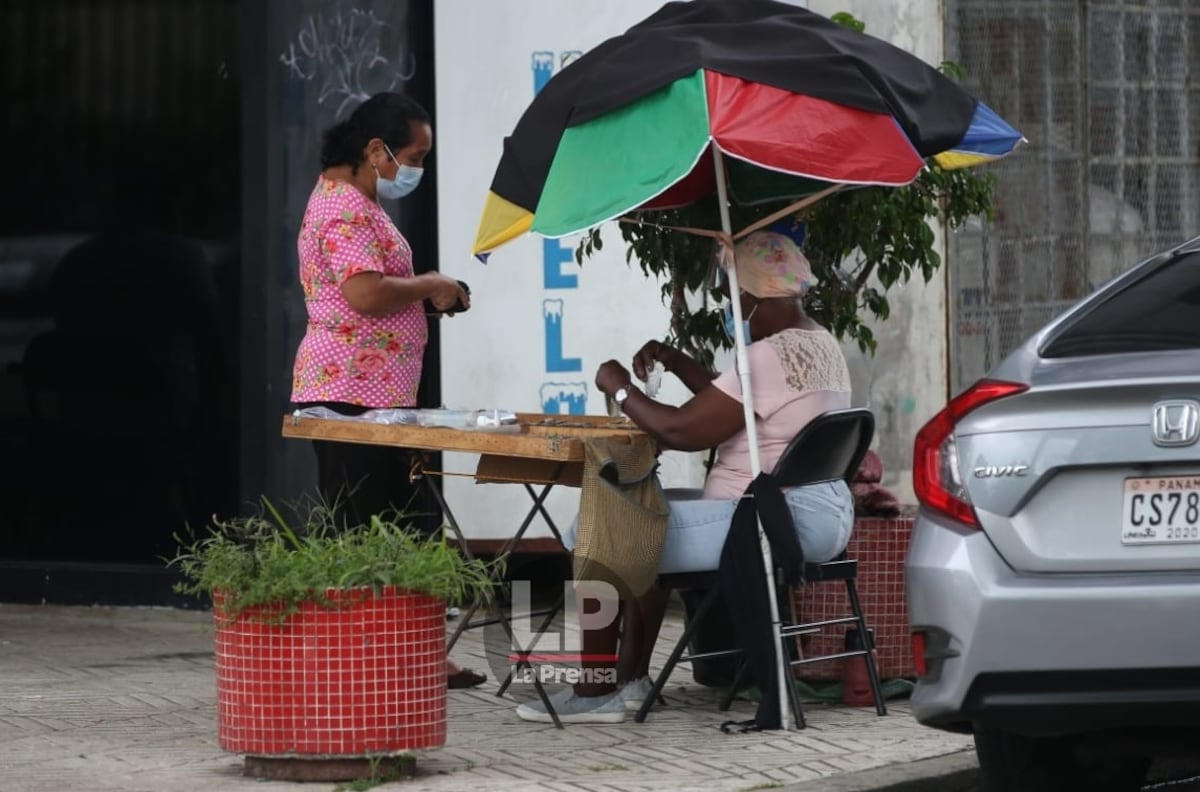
(794, 100)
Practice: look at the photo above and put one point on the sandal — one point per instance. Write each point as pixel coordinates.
(465, 678)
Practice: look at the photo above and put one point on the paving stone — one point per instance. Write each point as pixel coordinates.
(106, 699)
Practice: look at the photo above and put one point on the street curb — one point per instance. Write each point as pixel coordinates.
(955, 772)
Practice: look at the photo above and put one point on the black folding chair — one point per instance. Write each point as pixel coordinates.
(830, 447)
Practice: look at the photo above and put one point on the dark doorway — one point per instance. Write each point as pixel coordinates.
(158, 155)
(119, 293)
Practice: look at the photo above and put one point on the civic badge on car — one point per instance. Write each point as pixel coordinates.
(1176, 423)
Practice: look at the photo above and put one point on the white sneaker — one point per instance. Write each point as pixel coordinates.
(634, 692)
(575, 709)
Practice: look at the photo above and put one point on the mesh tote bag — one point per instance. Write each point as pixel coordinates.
(622, 515)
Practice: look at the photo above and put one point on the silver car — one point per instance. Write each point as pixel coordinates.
(1053, 579)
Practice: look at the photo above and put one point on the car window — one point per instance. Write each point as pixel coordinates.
(1160, 311)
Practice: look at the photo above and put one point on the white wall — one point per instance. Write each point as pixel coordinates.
(510, 349)
(506, 353)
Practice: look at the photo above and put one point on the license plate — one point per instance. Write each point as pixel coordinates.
(1161, 510)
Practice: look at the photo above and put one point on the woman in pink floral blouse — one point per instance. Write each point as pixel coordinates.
(366, 315)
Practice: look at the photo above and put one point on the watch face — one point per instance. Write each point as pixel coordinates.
(613, 403)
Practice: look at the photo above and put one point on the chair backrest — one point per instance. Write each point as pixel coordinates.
(829, 447)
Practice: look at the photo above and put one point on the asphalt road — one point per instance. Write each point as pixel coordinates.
(959, 773)
(1191, 784)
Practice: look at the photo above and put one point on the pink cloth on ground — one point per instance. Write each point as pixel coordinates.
(795, 376)
(345, 356)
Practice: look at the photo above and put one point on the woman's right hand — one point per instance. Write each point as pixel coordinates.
(446, 292)
(650, 353)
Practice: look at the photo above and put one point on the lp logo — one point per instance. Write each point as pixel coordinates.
(587, 605)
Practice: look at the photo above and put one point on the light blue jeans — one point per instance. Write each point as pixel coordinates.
(697, 526)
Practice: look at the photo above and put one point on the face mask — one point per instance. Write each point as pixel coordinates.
(730, 328)
(406, 180)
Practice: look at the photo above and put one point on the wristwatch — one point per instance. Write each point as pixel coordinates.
(620, 396)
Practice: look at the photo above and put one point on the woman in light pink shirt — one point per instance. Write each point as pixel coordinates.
(798, 372)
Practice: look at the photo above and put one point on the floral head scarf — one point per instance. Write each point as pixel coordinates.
(770, 264)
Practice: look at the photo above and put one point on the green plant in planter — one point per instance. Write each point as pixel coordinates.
(264, 560)
(860, 242)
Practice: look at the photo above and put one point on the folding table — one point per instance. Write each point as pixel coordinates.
(539, 452)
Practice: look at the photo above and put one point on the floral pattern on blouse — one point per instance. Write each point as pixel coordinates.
(345, 356)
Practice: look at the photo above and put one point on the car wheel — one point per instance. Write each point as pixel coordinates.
(1016, 763)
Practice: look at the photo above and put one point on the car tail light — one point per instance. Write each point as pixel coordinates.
(920, 667)
(937, 480)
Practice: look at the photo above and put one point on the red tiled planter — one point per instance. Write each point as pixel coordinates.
(879, 545)
(366, 678)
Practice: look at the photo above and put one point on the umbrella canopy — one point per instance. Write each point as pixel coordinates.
(794, 100)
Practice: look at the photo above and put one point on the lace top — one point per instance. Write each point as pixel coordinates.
(811, 360)
(795, 376)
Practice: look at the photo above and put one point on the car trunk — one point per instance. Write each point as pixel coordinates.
(1067, 477)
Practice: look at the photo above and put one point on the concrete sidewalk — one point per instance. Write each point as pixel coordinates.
(102, 699)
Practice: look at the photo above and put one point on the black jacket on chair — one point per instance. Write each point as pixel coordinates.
(744, 585)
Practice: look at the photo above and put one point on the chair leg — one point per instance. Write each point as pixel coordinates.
(680, 647)
(869, 657)
(734, 686)
(789, 679)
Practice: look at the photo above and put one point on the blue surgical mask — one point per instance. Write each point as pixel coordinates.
(405, 181)
(730, 328)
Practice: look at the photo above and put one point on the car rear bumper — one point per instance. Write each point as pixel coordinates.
(1048, 653)
(1065, 702)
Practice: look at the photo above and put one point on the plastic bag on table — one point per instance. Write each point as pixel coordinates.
(379, 415)
(491, 419)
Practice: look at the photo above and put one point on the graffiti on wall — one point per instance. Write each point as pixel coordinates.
(350, 53)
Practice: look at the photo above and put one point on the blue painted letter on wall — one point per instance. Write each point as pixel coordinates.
(552, 317)
(554, 255)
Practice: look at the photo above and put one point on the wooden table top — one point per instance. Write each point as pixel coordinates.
(534, 436)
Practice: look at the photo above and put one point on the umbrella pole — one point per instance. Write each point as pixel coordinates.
(743, 367)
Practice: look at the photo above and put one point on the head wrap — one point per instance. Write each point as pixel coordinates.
(769, 264)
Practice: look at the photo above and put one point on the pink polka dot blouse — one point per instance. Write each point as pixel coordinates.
(371, 361)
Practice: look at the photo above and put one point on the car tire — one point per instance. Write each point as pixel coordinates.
(1015, 763)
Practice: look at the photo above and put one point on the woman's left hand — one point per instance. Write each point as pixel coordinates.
(612, 376)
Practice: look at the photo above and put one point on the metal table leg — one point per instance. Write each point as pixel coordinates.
(496, 615)
(465, 618)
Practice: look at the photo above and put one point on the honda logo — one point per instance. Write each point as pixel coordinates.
(1176, 423)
